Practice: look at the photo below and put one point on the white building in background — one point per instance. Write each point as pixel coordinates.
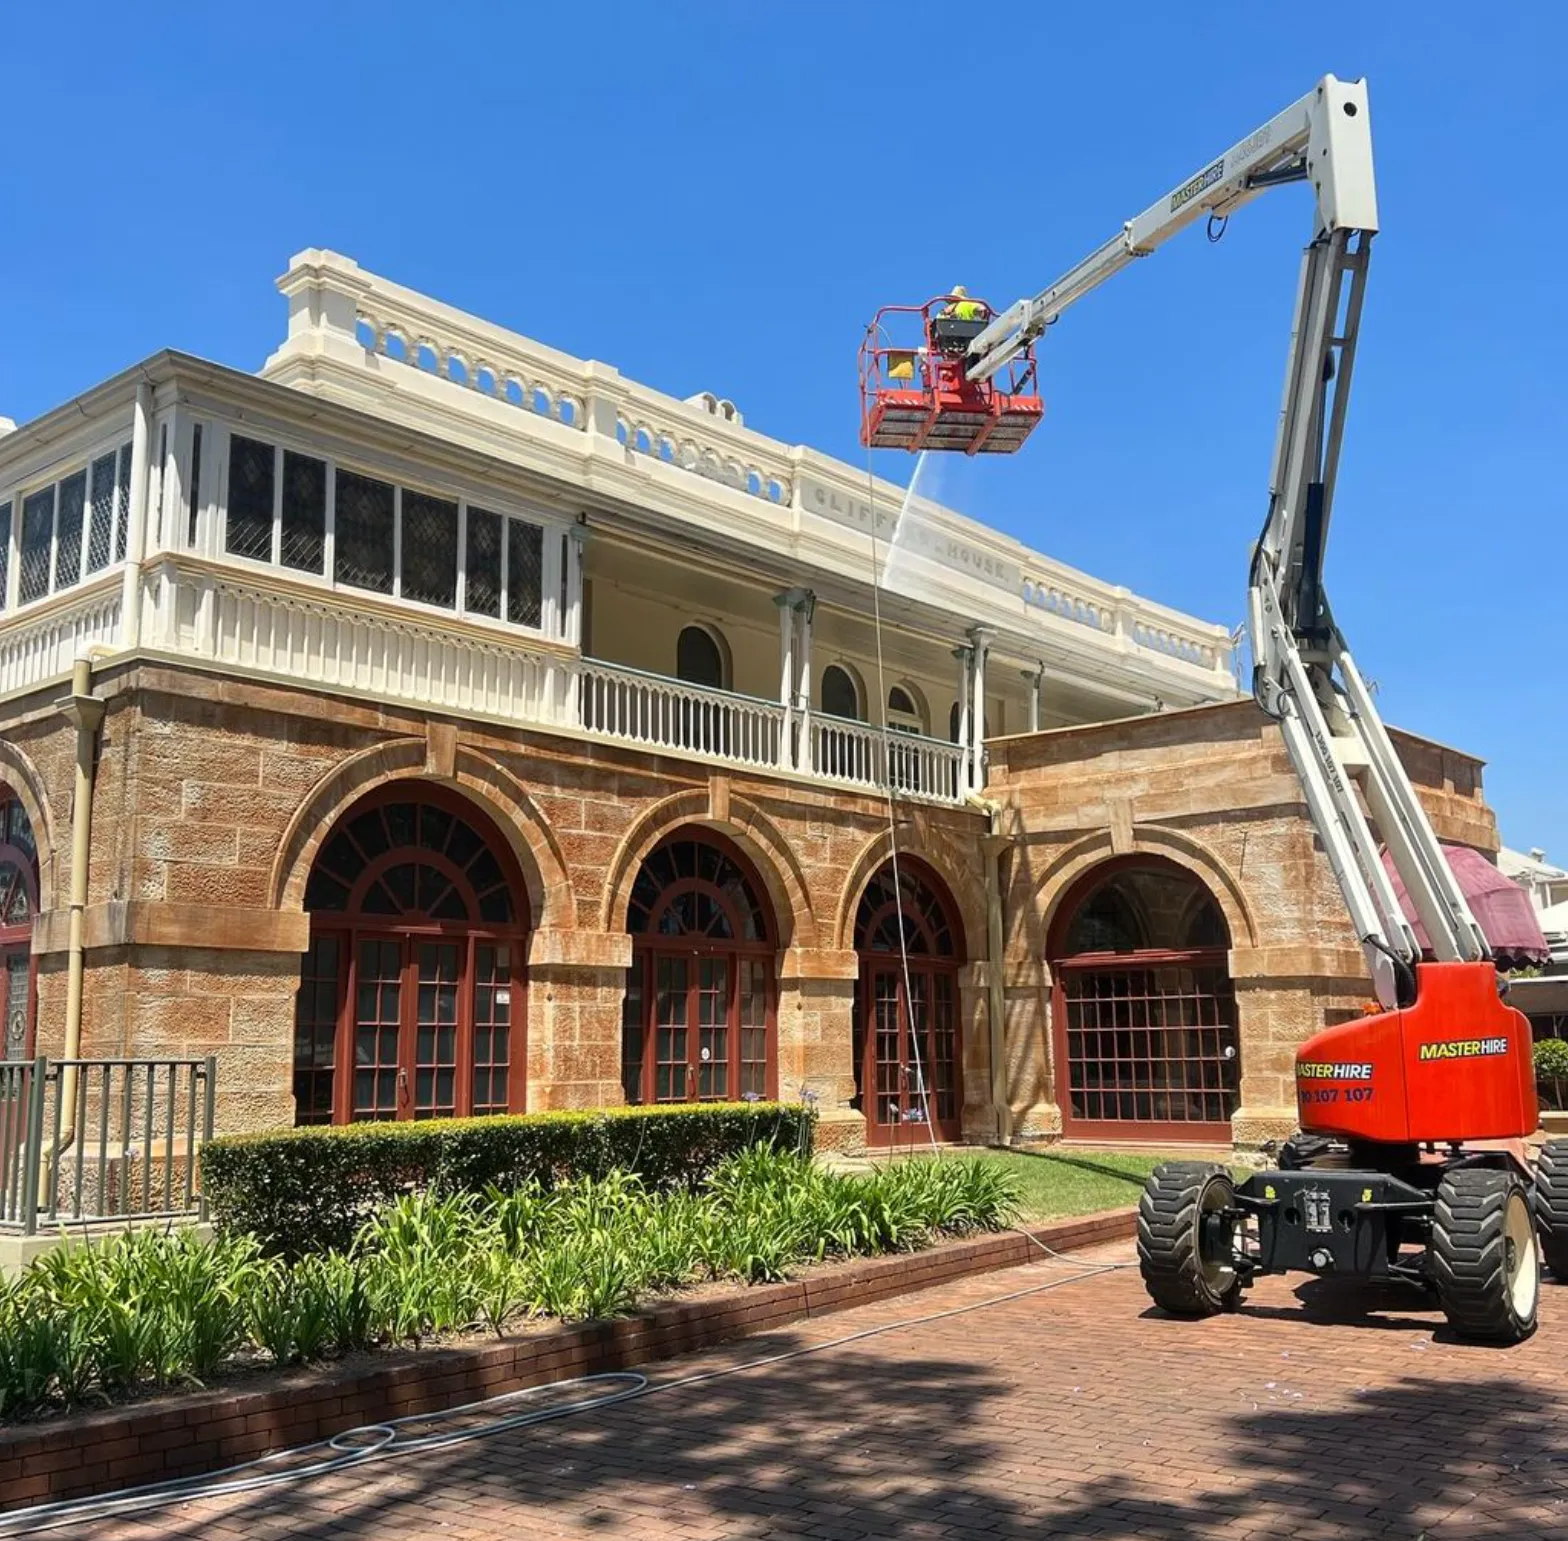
(1547, 886)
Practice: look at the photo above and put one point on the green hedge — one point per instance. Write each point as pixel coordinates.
(307, 1190)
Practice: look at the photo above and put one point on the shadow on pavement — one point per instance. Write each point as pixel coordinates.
(849, 1444)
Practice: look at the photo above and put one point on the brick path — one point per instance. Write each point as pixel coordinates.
(1073, 1413)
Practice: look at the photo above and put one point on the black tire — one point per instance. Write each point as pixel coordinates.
(1177, 1275)
(1484, 1256)
(1551, 1206)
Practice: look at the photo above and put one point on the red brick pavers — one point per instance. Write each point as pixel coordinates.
(1072, 1413)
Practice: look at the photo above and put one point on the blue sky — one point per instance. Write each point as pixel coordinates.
(719, 196)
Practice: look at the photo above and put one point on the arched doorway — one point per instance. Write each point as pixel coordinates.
(699, 1015)
(840, 695)
(702, 659)
(907, 1045)
(1144, 1014)
(699, 658)
(18, 907)
(410, 998)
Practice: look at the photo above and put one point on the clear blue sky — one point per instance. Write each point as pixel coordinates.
(718, 196)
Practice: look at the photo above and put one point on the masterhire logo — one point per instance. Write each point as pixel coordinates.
(1341, 1070)
(1200, 183)
(1463, 1048)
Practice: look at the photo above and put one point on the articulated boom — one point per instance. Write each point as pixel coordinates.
(1362, 1189)
(1304, 675)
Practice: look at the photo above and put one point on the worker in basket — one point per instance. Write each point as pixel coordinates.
(961, 308)
(959, 322)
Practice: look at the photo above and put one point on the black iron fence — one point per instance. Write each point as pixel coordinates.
(102, 1139)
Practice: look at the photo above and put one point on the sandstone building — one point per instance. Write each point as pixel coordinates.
(466, 727)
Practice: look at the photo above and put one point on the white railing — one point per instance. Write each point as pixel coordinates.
(656, 713)
(41, 644)
(863, 756)
(348, 646)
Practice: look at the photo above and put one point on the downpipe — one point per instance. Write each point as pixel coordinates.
(84, 711)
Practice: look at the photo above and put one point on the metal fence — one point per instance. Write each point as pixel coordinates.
(102, 1139)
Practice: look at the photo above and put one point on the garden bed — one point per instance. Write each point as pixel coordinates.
(184, 1434)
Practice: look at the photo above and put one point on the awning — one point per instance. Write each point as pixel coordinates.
(1502, 908)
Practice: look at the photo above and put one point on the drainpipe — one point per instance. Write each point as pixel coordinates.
(993, 844)
(84, 711)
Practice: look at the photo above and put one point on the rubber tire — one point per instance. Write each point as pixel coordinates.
(1169, 1254)
(1551, 1206)
(1468, 1254)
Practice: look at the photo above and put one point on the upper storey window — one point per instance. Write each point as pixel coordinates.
(61, 533)
(360, 531)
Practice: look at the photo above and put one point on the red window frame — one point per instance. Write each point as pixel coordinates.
(328, 1007)
(934, 943)
(1206, 1078)
(657, 955)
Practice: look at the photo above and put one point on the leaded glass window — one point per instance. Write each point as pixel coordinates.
(364, 555)
(304, 535)
(429, 550)
(252, 469)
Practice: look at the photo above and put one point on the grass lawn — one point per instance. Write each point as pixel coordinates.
(1077, 1182)
(1054, 1183)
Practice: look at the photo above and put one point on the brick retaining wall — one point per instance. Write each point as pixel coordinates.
(182, 1436)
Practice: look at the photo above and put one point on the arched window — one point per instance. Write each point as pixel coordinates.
(903, 714)
(18, 907)
(410, 998)
(955, 722)
(840, 697)
(698, 1019)
(907, 1044)
(1144, 1017)
(699, 659)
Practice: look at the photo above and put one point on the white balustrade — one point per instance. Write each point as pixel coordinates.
(407, 332)
(344, 646)
(43, 643)
(1085, 607)
(1189, 649)
(1112, 612)
(863, 756)
(677, 434)
(656, 713)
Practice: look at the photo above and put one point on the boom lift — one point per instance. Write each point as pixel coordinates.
(1382, 1180)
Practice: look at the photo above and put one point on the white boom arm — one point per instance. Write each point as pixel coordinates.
(1303, 673)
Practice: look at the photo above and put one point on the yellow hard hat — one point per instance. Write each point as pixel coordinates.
(959, 292)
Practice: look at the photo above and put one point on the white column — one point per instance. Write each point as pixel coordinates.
(572, 621)
(982, 643)
(961, 656)
(807, 604)
(1035, 679)
(786, 603)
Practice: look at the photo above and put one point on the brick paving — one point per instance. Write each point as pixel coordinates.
(1074, 1413)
